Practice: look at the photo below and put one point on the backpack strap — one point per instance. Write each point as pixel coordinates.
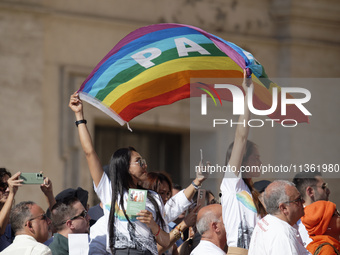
(317, 251)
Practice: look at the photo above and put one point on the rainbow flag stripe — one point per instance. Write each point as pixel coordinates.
(246, 200)
(152, 66)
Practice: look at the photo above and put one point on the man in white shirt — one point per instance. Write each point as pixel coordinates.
(312, 188)
(276, 233)
(210, 226)
(31, 227)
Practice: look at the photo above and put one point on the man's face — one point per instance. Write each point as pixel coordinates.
(81, 223)
(39, 224)
(321, 191)
(295, 208)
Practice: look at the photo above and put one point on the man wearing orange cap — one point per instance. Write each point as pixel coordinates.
(322, 221)
(275, 233)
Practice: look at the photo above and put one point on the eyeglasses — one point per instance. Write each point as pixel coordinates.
(298, 200)
(323, 186)
(140, 161)
(82, 215)
(3, 186)
(44, 217)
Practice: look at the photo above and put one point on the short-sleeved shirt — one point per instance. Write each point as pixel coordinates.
(238, 210)
(137, 237)
(275, 236)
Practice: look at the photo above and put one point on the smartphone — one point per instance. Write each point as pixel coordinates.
(201, 197)
(32, 178)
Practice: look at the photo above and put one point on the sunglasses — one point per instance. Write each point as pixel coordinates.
(43, 217)
(82, 215)
(140, 161)
(323, 186)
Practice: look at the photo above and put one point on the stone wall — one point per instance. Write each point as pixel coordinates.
(47, 48)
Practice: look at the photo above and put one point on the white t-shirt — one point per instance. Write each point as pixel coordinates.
(207, 248)
(98, 232)
(141, 237)
(303, 233)
(238, 210)
(274, 236)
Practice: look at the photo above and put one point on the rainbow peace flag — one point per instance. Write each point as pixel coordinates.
(153, 65)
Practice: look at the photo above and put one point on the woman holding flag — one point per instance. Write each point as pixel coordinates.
(240, 203)
(126, 234)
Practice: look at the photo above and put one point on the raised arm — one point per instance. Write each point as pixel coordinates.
(93, 162)
(47, 189)
(241, 134)
(13, 184)
(192, 188)
(190, 191)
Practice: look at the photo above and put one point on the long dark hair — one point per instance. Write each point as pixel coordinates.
(248, 181)
(121, 181)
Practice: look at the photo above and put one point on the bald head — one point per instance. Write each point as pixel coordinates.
(207, 215)
(210, 225)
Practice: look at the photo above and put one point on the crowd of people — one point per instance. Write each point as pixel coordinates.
(279, 217)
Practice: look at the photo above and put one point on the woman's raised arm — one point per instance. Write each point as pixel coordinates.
(93, 162)
(13, 184)
(241, 134)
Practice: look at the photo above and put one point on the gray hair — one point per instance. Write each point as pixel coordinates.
(276, 195)
(204, 222)
(20, 214)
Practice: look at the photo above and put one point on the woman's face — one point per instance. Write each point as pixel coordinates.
(164, 191)
(4, 191)
(253, 163)
(137, 168)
